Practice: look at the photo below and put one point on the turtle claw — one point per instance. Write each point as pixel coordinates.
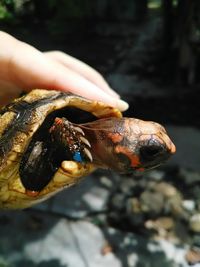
(85, 141)
(78, 129)
(88, 154)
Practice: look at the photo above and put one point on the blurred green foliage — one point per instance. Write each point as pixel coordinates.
(61, 9)
(66, 9)
(57, 15)
(3, 263)
(52, 13)
(5, 13)
(69, 9)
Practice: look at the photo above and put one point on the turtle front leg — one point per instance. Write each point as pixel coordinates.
(71, 138)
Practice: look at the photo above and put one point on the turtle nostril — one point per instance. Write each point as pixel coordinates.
(149, 152)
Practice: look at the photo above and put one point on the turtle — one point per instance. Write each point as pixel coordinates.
(50, 139)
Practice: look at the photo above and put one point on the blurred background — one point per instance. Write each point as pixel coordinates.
(149, 52)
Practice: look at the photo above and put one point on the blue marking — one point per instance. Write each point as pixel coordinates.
(77, 156)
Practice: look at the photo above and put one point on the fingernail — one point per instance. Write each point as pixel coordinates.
(122, 105)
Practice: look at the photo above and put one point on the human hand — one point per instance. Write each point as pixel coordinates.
(24, 67)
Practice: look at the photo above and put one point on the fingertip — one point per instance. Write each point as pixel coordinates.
(122, 105)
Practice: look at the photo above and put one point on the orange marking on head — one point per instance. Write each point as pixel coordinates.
(115, 137)
(135, 162)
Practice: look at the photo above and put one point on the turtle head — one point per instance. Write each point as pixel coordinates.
(145, 145)
(128, 145)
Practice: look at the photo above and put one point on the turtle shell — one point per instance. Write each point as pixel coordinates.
(28, 118)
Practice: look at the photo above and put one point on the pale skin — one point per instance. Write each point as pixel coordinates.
(23, 67)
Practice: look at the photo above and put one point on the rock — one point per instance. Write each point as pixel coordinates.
(127, 186)
(151, 202)
(193, 256)
(194, 223)
(166, 189)
(174, 256)
(163, 228)
(66, 237)
(196, 240)
(156, 175)
(118, 202)
(133, 206)
(166, 223)
(135, 215)
(132, 259)
(81, 243)
(172, 199)
(106, 181)
(174, 207)
(96, 198)
(188, 204)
